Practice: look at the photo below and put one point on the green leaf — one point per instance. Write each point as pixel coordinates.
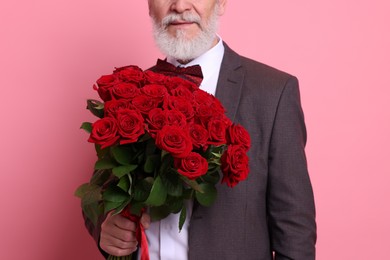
(104, 164)
(96, 107)
(208, 196)
(158, 213)
(89, 193)
(217, 155)
(164, 153)
(145, 137)
(211, 177)
(93, 211)
(81, 190)
(100, 177)
(125, 183)
(188, 194)
(90, 198)
(115, 194)
(110, 205)
(130, 190)
(87, 126)
(173, 183)
(182, 218)
(121, 207)
(158, 193)
(142, 189)
(174, 204)
(101, 153)
(121, 155)
(214, 153)
(122, 170)
(192, 183)
(150, 146)
(166, 163)
(151, 163)
(136, 208)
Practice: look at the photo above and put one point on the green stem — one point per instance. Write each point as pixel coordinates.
(111, 257)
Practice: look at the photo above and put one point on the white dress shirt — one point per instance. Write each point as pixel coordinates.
(165, 241)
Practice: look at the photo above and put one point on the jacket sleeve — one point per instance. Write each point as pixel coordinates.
(94, 231)
(290, 200)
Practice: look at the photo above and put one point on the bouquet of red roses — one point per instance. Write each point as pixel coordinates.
(160, 140)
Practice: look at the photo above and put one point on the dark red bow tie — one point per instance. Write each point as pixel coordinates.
(192, 73)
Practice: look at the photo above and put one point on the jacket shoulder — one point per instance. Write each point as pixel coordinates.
(259, 70)
(256, 73)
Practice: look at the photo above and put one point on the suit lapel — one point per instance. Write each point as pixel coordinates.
(229, 86)
(230, 81)
(228, 92)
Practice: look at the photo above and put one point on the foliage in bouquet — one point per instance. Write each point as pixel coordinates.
(160, 140)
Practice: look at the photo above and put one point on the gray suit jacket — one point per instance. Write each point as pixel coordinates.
(273, 210)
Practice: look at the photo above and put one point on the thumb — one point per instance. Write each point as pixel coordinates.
(145, 220)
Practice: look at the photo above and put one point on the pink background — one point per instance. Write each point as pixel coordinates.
(51, 52)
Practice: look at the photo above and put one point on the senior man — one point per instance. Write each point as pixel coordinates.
(271, 215)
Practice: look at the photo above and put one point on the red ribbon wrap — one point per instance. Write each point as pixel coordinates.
(139, 233)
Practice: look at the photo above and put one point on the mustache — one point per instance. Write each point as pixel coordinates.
(186, 17)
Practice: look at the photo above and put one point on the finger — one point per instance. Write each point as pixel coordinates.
(119, 221)
(118, 242)
(145, 220)
(124, 223)
(113, 231)
(109, 240)
(117, 251)
(118, 248)
(110, 228)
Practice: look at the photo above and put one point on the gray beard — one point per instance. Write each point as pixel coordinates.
(178, 46)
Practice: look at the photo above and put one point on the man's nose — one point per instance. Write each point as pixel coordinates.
(181, 6)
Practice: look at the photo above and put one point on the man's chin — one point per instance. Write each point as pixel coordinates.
(182, 35)
(182, 44)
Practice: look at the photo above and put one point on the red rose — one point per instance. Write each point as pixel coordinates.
(112, 106)
(154, 78)
(217, 132)
(192, 166)
(225, 119)
(158, 92)
(144, 103)
(105, 83)
(133, 67)
(130, 125)
(203, 114)
(234, 165)
(182, 91)
(202, 97)
(156, 120)
(237, 134)
(199, 135)
(175, 117)
(104, 132)
(130, 74)
(217, 106)
(125, 91)
(174, 82)
(174, 140)
(182, 105)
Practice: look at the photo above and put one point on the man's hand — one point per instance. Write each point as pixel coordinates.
(117, 235)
